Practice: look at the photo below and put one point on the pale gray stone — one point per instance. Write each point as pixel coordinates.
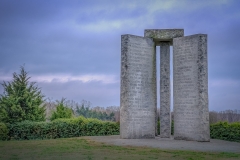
(190, 87)
(138, 87)
(165, 111)
(138, 108)
(155, 89)
(163, 34)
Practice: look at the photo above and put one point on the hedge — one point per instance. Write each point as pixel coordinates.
(221, 130)
(225, 131)
(75, 127)
(61, 128)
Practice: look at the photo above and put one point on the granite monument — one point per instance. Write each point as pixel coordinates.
(138, 97)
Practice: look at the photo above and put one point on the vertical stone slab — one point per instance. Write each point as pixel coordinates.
(165, 111)
(138, 87)
(190, 87)
(155, 88)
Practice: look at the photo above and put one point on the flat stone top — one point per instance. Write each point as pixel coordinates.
(163, 34)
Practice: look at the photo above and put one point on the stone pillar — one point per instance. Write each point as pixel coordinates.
(138, 87)
(190, 88)
(165, 90)
(155, 89)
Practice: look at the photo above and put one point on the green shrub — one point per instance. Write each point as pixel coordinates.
(3, 131)
(225, 131)
(75, 127)
(62, 128)
(62, 111)
(221, 130)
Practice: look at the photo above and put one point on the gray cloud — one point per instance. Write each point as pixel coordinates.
(83, 37)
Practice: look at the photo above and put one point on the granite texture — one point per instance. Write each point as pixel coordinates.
(165, 118)
(163, 34)
(155, 88)
(190, 87)
(138, 87)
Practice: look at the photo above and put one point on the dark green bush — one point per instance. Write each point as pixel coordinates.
(62, 128)
(221, 130)
(75, 127)
(225, 131)
(3, 131)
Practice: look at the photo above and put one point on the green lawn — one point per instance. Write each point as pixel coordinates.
(82, 148)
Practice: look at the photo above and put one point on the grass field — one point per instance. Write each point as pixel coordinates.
(82, 148)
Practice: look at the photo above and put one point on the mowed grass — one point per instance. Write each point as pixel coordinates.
(84, 149)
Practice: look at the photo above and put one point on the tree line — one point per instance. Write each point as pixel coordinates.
(23, 100)
(227, 115)
(83, 109)
(217, 116)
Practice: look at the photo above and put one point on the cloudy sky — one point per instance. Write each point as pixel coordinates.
(72, 48)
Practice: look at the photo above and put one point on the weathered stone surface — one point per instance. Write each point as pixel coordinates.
(163, 34)
(190, 87)
(165, 118)
(138, 87)
(155, 90)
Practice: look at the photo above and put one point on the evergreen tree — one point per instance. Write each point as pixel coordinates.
(62, 111)
(83, 111)
(21, 100)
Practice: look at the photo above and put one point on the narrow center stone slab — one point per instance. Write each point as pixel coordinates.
(165, 88)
